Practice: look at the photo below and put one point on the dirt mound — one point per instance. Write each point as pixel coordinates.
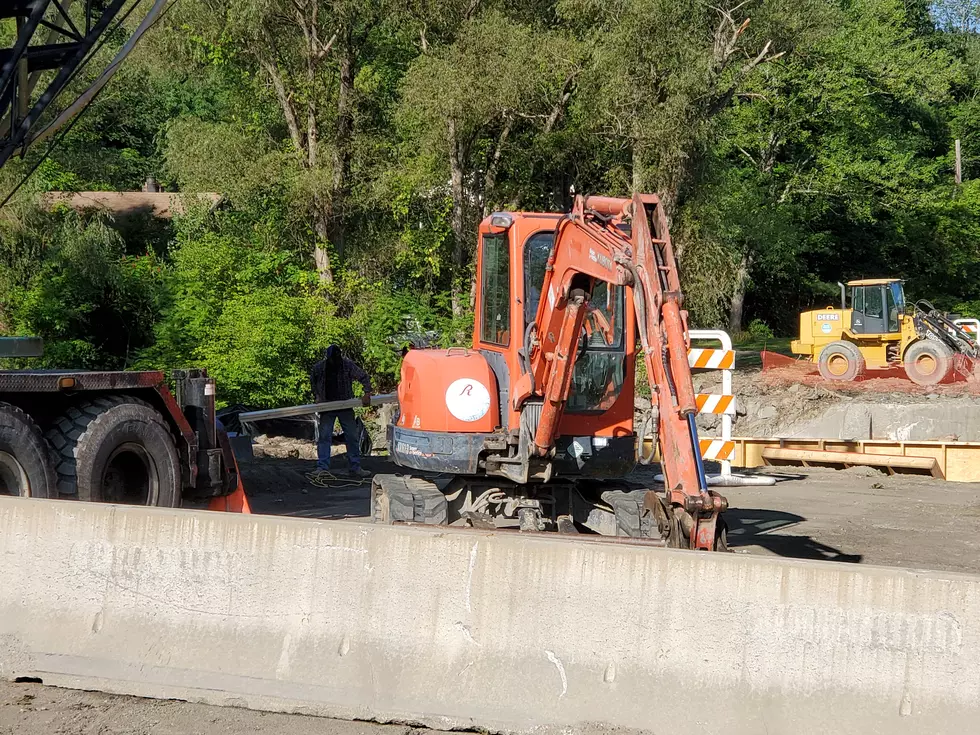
(783, 370)
(284, 447)
(763, 406)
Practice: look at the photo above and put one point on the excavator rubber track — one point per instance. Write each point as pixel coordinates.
(618, 509)
(407, 499)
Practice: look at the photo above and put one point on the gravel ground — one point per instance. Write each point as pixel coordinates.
(853, 515)
(32, 709)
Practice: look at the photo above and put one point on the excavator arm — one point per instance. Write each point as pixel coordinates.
(623, 242)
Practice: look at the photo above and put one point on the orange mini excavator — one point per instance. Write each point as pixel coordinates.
(532, 428)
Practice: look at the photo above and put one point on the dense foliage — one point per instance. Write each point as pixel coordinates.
(357, 144)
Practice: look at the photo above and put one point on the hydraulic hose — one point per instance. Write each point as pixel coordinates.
(702, 480)
(650, 421)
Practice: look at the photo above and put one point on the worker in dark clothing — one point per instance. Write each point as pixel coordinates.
(332, 379)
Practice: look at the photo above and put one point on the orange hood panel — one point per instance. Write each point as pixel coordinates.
(450, 390)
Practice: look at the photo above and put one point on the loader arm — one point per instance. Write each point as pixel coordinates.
(591, 246)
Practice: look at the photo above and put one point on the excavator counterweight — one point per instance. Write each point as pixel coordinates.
(533, 427)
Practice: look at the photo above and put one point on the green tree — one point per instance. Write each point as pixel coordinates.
(462, 102)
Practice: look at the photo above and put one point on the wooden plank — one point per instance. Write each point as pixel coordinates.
(926, 464)
(962, 464)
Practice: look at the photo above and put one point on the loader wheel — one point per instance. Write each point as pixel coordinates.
(928, 362)
(116, 449)
(841, 361)
(25, 468)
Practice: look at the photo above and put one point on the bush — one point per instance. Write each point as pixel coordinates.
(384, 321)
(246, 309)
(760, 331)
(93, 304)
(968, 309)
(261, 345)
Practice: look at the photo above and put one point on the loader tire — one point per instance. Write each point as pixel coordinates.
(841, 361)
(25, 467)
(928, 362)
(116, 449)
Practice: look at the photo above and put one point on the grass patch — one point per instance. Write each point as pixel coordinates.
(748, 349)
(754, 344)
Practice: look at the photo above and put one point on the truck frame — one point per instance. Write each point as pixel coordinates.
(111, 436)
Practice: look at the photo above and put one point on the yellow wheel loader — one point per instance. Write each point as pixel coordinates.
(879, 330)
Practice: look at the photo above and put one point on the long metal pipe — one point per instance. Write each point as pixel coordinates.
(311, 408)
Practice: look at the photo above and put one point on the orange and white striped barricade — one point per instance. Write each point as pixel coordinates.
(720, 449)
(970, 326)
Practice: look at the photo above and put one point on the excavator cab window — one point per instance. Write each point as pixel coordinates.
(495, 314)
(536, 252)
(600, 366)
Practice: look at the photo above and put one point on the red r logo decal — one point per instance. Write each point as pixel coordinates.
(467, 391)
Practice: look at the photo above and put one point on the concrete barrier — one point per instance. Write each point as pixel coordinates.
(477, 629)
(956, 420)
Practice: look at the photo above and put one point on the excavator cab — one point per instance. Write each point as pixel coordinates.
(595, 437)
(532, 426)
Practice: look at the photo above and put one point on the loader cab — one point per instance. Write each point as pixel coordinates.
(876, 305)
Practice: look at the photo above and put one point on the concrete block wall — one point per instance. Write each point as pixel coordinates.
(474, 629)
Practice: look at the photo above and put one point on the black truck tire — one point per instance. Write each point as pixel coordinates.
(841, 360)
(928, 362)
(116, 449)
(25, 467)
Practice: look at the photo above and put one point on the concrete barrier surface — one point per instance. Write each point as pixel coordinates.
(476, 629)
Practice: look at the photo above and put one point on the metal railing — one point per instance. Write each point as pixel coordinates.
(21, 347)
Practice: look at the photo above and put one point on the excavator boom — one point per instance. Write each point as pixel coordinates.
(592, 244)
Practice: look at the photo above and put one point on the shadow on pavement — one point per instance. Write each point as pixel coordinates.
(281, 487)
(765, 529)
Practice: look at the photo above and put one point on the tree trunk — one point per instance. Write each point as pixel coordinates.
(321, 256)
(456, 162)
(738, 296)
(342, 149)
(490, 179)
(637, 182)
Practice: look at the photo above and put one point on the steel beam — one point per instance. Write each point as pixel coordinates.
(311, 408)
